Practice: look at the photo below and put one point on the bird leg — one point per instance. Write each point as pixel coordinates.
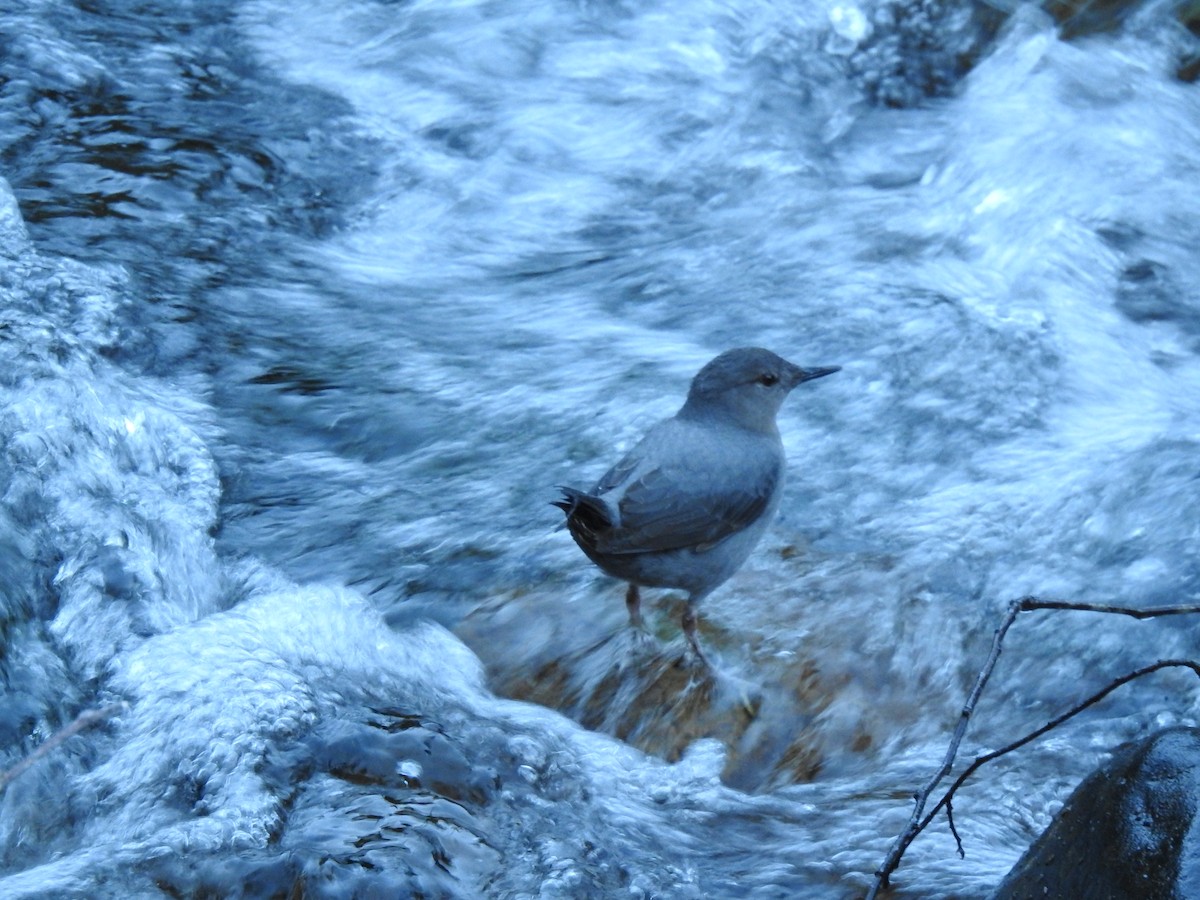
(689, 631)
(633, 602)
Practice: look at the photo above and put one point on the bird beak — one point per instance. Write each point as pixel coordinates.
(802, 375)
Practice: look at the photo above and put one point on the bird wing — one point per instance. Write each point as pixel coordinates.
(679, 493)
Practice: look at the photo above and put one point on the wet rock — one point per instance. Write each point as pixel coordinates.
(651, 696)
(1147, 293)
(917, 49)
(1079, 18)
(1129, 832)
(645, 690)
(1084, 18)
(388, 805)
(1189, 67)
(911, 50)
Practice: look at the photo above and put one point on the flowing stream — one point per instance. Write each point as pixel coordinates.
(306, 309)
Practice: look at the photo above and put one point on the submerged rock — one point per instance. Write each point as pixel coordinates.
(1128, 832)
(643, 690)
(903, 52)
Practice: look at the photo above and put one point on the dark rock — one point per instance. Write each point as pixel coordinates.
(1080, 18)
(1149, 292)
(913, 50)
(918, 49)
(1128, 832)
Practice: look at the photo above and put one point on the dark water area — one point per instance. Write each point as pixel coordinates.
(307, 309)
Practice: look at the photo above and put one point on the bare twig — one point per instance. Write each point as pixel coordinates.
(917, 821)
(922, 796)
(86, 719)
(953, 830)
(1030, 603)
(1052, 724)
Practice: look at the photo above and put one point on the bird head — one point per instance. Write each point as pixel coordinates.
(749, 385)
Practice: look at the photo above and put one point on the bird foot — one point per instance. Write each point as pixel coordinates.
(696, 661)
(746, 697)
(640, 638)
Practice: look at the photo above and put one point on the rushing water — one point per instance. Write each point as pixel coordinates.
(308, 307)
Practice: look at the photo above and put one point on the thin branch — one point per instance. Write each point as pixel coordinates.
(1049, 726)
(953, 830)
(1029, 603)
(922, 796)
(86, 719)
(917, 822)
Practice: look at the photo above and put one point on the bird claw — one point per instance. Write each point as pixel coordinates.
(749, 703)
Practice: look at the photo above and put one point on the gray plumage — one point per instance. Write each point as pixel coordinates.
(684, 508)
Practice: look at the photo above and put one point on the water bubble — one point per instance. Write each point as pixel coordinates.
(409, 768)
(850, 28)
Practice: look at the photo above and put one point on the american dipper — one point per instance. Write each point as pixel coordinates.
(685, 507)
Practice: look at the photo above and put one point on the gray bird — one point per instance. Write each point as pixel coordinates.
(685, 507)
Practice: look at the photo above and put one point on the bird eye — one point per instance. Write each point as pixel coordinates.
(768, 379)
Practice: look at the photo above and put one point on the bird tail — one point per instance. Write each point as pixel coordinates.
(586, 514)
